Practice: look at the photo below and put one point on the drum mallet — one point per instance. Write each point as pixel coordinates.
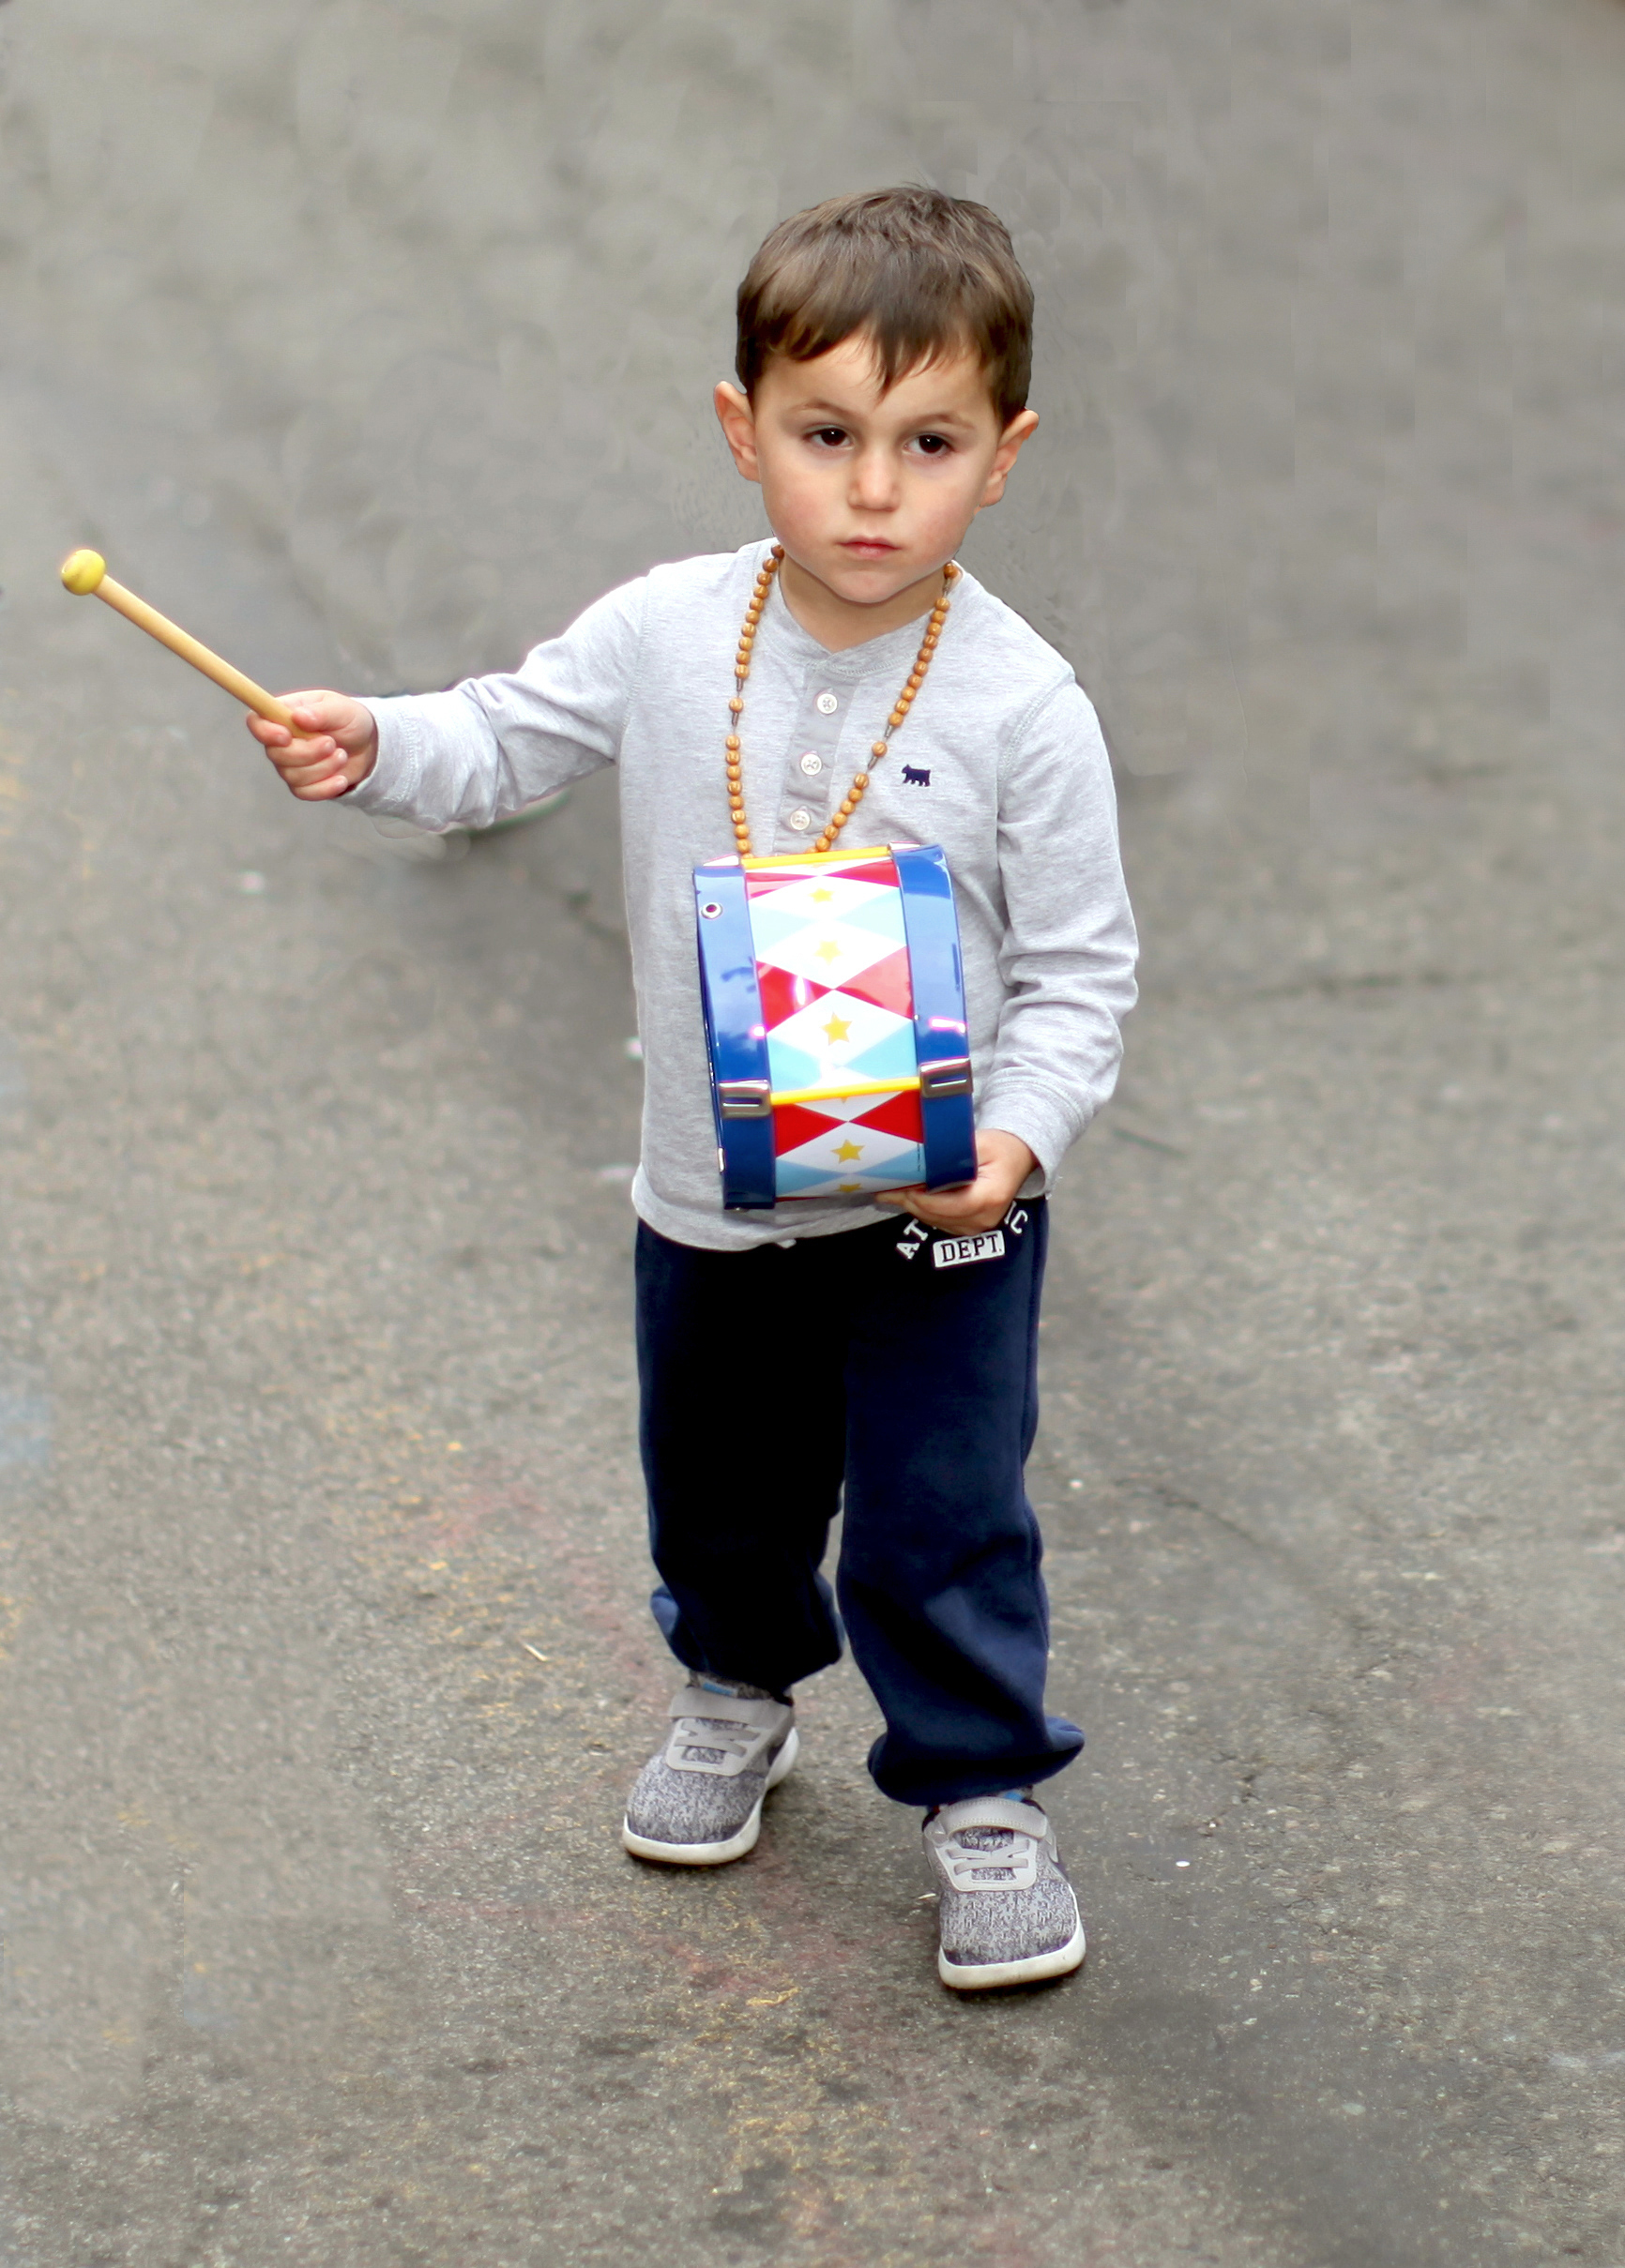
(85, 571)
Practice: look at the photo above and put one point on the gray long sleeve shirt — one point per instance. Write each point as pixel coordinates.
(1005, 768)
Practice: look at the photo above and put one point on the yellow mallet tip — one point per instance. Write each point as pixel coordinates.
(82, 571)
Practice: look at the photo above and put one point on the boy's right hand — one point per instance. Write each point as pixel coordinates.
(333, 749)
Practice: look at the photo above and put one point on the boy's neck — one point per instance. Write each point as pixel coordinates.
(839, 623)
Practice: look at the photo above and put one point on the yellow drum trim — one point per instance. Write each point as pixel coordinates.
(815, 859)
(845, 1093)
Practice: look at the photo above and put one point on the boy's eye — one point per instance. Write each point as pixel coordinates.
(933, 445)
(829, 437)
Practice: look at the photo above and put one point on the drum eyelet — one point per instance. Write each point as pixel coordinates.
(709, 913)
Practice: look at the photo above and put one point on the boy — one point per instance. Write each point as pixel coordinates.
(792, 1357)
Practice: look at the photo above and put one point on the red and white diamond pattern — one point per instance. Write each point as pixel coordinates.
(832, 963)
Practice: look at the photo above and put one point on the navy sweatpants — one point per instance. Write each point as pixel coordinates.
(775, 1378)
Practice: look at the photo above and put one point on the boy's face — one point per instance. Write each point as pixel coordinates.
(871, 493)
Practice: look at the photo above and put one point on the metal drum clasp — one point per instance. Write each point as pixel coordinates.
(744, 1099)
(951, 1076)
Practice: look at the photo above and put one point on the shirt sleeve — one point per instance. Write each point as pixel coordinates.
(492, 746)
(1069, 948)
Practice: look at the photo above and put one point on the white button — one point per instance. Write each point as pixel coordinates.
(811, 764)
(826, 705)
(800, 821)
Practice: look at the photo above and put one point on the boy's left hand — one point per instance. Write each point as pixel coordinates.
(1003, 1163)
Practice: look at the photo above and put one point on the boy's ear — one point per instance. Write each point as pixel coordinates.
(1020, 428)
(739, 423)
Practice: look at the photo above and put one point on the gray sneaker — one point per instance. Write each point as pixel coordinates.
(699, 1802)
(1006, 1911)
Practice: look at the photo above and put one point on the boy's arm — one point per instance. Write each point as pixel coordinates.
(1067, 961)
(1069, 950)
(486, 749)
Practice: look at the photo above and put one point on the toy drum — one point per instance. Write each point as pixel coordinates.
(835, 1023)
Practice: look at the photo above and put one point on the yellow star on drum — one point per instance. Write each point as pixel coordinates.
(849, 1150)
(839, 1027)
(828, 950)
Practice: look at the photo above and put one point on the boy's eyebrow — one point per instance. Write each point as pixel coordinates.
(844, 415)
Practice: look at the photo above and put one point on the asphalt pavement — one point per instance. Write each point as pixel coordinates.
(371, 341)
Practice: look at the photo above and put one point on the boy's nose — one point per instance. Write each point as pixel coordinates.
(874, 481)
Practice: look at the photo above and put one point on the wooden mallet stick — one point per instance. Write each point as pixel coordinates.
(85, 571)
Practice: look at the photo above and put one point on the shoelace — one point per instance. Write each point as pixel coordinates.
(710, 1742)
(745, 1726)
(1002, 1858)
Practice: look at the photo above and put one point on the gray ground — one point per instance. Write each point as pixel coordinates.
(373, 340)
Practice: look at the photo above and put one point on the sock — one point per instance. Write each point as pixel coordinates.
(736, 1688)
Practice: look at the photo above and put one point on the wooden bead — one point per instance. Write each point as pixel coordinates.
(735, 705)
(861, 780)
(732, 741)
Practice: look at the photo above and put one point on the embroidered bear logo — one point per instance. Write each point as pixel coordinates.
(914, 778)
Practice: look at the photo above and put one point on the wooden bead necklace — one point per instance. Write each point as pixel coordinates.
(905, 701)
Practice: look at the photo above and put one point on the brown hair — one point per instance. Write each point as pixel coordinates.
(917, 272)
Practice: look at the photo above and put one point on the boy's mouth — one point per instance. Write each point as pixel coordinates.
(868, 547)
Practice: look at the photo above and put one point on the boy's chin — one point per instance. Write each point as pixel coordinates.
(872, 582)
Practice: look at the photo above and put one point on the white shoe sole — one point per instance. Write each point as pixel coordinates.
(714, 1854)
(985, 1975)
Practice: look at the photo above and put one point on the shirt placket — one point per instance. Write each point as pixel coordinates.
(813, 784)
